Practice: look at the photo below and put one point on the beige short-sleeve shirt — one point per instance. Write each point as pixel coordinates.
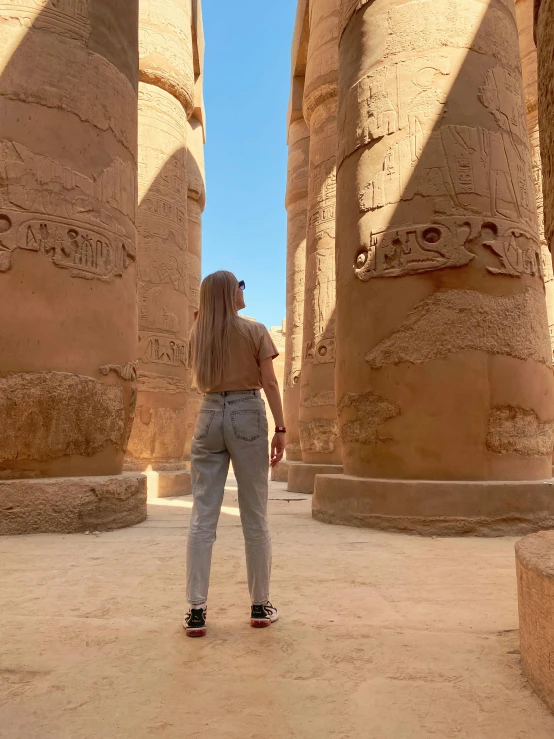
(247, 353)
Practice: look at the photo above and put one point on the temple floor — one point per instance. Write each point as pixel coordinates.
(381, 636)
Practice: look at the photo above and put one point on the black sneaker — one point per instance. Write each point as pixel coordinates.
(195, 622)
(264, 615)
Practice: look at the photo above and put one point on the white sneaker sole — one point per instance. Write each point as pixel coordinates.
(262, 623)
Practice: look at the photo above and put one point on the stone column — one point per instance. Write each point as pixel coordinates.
(528, 50)
(68, 338)
(544, 35)
(166, 100)
(196, 202)
(319, 439)
(297, 210)
(279, 473)
(444, 366)
(166, 50)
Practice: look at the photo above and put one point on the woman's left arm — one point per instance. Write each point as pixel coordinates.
(271, 389)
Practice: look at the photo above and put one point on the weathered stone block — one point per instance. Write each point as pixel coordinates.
(280, 473)
(535, 582)
(71, 504)
(302, 476)
(435, 507)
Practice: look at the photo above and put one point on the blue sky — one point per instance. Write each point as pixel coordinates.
(246, 90)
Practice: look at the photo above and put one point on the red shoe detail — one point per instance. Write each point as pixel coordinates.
(195, 632)
(260, 624)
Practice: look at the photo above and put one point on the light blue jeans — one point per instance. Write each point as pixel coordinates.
(231, 426)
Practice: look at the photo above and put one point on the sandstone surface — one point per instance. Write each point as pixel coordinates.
(93, 644)
(68, 216)
(437, 243)
(313, 146)
(535, 580)
(297, 211)
(171, 139)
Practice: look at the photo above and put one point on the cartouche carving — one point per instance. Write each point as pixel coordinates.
(518, 249)
(321, 351)
(159, 349)
(87, 254)
(416, 249)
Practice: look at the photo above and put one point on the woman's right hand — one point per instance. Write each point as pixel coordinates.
(277, 448)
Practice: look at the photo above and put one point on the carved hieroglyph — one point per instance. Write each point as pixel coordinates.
(44, 204)
(440, 267)
(165, 47)
(319, 438)
(159, 428)
(68, 106)
(65, 17)
(297, 210)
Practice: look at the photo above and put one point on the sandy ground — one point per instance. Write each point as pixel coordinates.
(381, 637)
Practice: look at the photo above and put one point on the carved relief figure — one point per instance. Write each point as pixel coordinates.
(466, 171)
(410, 95)
(67, 17)
(34, 183)
(502, 95)
(153, 314)
(162, 267)
(61, 213)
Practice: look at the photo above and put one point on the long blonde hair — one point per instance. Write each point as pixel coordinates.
(211, 333)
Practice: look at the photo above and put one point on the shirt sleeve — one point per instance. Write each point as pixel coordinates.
(266, 346)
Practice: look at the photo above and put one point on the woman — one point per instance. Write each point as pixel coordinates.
(232, 358)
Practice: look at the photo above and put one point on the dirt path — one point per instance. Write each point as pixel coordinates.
(381, 637)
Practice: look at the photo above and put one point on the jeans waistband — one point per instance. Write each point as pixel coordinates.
(225, 393)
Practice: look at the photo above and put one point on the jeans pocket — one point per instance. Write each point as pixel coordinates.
(203, 423)
(246, 425)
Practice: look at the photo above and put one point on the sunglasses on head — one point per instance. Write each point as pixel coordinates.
(242, 285)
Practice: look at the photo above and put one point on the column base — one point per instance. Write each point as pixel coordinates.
(302, 475)
(435, 508)
(168, 483)
(280, 473)
(67, 505)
